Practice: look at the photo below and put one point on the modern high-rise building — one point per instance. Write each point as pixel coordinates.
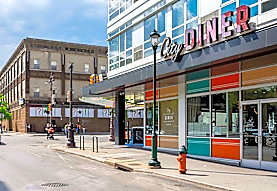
(24, 81)
(216, 71)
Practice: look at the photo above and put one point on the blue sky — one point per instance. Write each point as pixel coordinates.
(81, 21)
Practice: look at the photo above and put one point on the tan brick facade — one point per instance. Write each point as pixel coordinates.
(28, 70)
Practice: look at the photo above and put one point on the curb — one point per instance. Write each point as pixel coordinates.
(120, 165)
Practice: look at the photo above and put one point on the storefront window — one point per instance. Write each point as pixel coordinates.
(149, 119)
(225, 114)
(168, 117)
(260, 93)
(178, 13)
(198, 113)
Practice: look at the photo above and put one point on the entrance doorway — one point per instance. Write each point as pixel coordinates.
(259, 134)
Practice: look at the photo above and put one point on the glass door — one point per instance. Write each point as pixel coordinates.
(269, 135)
(259, 134)
(250, 135)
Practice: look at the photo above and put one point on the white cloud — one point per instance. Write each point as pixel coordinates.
(95, 1)
(9, 7)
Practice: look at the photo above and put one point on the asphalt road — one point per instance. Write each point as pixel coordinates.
(27, 164)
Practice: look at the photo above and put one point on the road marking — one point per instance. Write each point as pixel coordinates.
(61, 157)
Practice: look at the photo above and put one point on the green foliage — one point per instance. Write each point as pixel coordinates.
(4, 112)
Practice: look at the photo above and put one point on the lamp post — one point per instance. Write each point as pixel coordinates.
(70, 141)
(51, 82)
(154, 163)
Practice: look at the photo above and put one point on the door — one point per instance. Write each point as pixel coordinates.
(250, 135)
(269, 135)
(259, 134)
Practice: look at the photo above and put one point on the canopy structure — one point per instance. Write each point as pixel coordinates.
(100, 101)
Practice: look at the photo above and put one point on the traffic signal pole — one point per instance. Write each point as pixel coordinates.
(70, 141)
(51, 81)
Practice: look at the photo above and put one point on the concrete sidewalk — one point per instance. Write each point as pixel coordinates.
(210, 174)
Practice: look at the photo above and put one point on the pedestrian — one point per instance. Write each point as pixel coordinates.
(65, 129)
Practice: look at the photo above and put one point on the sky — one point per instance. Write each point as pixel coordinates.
(80, 21)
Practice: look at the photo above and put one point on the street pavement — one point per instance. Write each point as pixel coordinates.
(209, 174)
(27, 163)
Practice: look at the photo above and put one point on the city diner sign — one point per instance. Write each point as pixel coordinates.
(174, 50)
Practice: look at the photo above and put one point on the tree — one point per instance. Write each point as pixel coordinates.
(4, 112)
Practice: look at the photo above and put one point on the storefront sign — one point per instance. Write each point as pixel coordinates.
(174, 50)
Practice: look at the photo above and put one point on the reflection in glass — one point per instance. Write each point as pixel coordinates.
(178, 13)
(269, 131)
(149, 118)
(250, 131)
(225, 114)
(260, 93)
(161, 21)
(198, 116)
(191, 9)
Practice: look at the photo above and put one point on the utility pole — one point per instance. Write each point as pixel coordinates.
(70, 141)
(51, 82)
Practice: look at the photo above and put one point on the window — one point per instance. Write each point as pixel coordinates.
(87, 68)
(168, 117)
(122, 42)
(129, 38)
(198, 116)
(114, 47)
(178, 13)
(36, 93)
(53, 65)
(36, 64)
(269, 5)
(161, 21)
(225, 114)
(191, 9)
(103, 69)
(149, 26)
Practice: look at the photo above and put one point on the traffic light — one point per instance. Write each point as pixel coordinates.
(91, 79)
(49, 107)
(97, 79)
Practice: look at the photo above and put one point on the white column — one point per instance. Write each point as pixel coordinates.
(181, 111)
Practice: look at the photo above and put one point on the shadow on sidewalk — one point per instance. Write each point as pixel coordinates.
(3, 187)
(191, 174)
(243, 174)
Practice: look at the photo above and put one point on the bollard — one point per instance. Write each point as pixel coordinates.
(83, 142)
(93, 144)
(97, 144)
(80, 142)
(0, 140)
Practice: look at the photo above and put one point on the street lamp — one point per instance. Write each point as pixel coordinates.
(51, 82)
(154, 163)
(70, 141)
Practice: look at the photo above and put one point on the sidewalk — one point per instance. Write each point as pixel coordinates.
(210, 174)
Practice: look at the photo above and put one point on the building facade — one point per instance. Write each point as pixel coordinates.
(24, 81)
(217, 88)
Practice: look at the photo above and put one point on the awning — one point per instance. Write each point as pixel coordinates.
(100, 101)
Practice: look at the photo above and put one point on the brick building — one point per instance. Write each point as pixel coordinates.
(23, 82)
